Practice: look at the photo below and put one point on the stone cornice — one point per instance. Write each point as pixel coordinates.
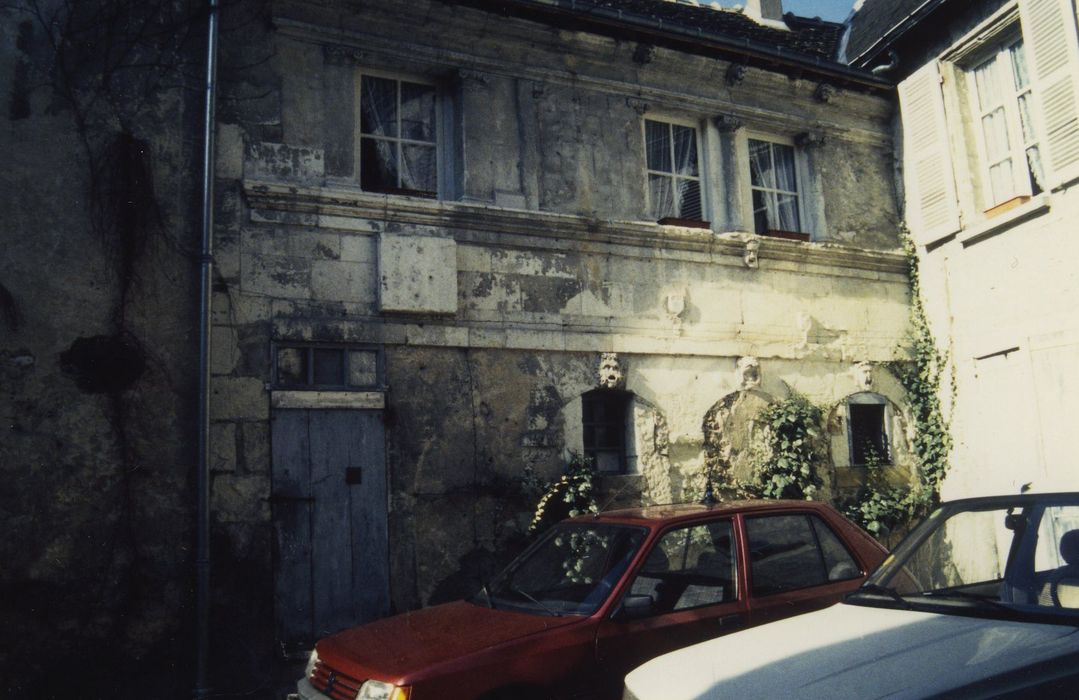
(337, 207)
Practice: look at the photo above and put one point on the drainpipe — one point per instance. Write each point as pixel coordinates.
(206, 263)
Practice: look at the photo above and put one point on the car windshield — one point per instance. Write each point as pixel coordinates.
(569, 571)
(1001, 557)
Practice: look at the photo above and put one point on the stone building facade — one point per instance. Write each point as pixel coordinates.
(456, 242)
(990, 198)
(465, 306)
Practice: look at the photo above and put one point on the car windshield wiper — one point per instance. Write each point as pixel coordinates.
(876, 589)
(535, 600)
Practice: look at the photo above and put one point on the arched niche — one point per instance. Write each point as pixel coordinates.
(729, 427)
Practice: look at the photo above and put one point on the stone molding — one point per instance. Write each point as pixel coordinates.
(347, 209)
(370, 400)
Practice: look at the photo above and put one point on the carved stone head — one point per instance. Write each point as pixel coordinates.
(863, 375)
(748, 372)
(611, 375)
(749, 255)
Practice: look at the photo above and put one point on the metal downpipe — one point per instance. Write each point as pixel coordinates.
(202, 477)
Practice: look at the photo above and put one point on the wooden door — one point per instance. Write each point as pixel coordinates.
(329, 513)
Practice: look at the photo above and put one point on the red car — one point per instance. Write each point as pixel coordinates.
(597, 596)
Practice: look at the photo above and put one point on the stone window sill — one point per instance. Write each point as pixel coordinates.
(1004, 219)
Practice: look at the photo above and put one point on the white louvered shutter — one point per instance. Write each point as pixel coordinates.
(932, 210)
(1049, 34)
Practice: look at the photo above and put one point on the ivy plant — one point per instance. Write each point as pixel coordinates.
(788, 451)
(574, 493)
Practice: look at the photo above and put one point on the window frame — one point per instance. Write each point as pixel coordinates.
(623, 452)
(438, 127)
(701, 178)
(864, 398)
(310, 348)
(801, 176)
(812, 521)
(997, 49)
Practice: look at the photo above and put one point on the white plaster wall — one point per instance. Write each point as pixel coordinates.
(1009, 306)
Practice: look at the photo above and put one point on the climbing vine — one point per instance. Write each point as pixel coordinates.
(878, 506)
(574, 493)
(786, 454)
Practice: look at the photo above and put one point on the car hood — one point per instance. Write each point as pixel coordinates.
(852, 651)
(399, 648)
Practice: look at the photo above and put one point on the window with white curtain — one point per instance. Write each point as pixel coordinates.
(774, 182)
(398, 140)
(674, 176)
(1012, 161)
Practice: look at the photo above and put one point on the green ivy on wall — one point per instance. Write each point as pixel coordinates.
(787, 452)
(878, 506)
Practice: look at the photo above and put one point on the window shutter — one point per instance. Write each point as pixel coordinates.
(932, 210)
(1050, 35)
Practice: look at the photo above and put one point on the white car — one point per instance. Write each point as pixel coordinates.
(980, 601)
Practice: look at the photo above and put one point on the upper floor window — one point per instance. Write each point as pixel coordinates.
(674, 175)
(1008, 139)
(773, 180)
(398, 137)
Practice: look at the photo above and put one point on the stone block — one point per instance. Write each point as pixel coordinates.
(333, 280)
(223, 447)
(240, 498)
(229, 151)
(359, 249)
(239, 398)
(255, 458)
(417, 274)
(278, 161)
(223, 350)
(275, 276)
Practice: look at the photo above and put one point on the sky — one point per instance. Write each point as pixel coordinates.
(831, 10)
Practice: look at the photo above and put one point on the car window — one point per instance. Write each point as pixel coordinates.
(838, 561)
(688, 568)
(784, 554)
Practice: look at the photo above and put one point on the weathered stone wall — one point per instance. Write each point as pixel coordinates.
(97, 360)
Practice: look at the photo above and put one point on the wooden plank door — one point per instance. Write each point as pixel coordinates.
(329, 514)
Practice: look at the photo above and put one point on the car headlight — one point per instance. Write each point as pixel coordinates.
(377, 690)
(311, 661)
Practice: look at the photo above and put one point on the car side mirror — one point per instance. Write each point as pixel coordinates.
(634, 607)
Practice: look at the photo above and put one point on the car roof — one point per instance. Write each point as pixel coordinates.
(675, 512)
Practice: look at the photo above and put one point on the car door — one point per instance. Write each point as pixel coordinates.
(796, 563)
(693, 579)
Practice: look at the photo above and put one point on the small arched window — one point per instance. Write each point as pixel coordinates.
(867, 429)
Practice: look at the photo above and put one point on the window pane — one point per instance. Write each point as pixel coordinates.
(689, 199)
(1034, 166)
(787, 213)
(419, 169)
(378, 106)
(362, 368)
(764, 211)
(658, 146)
(329, 367)
(783, 162)
(1000, 177)
(987, 79)
(760, 164)
(685, 150)
(661, 196)
(1026, 121)
(1019, 65)
(995, 128)
(378, 165)
(291, 366)
(417, 112)
(783, 554)
(837, 560)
